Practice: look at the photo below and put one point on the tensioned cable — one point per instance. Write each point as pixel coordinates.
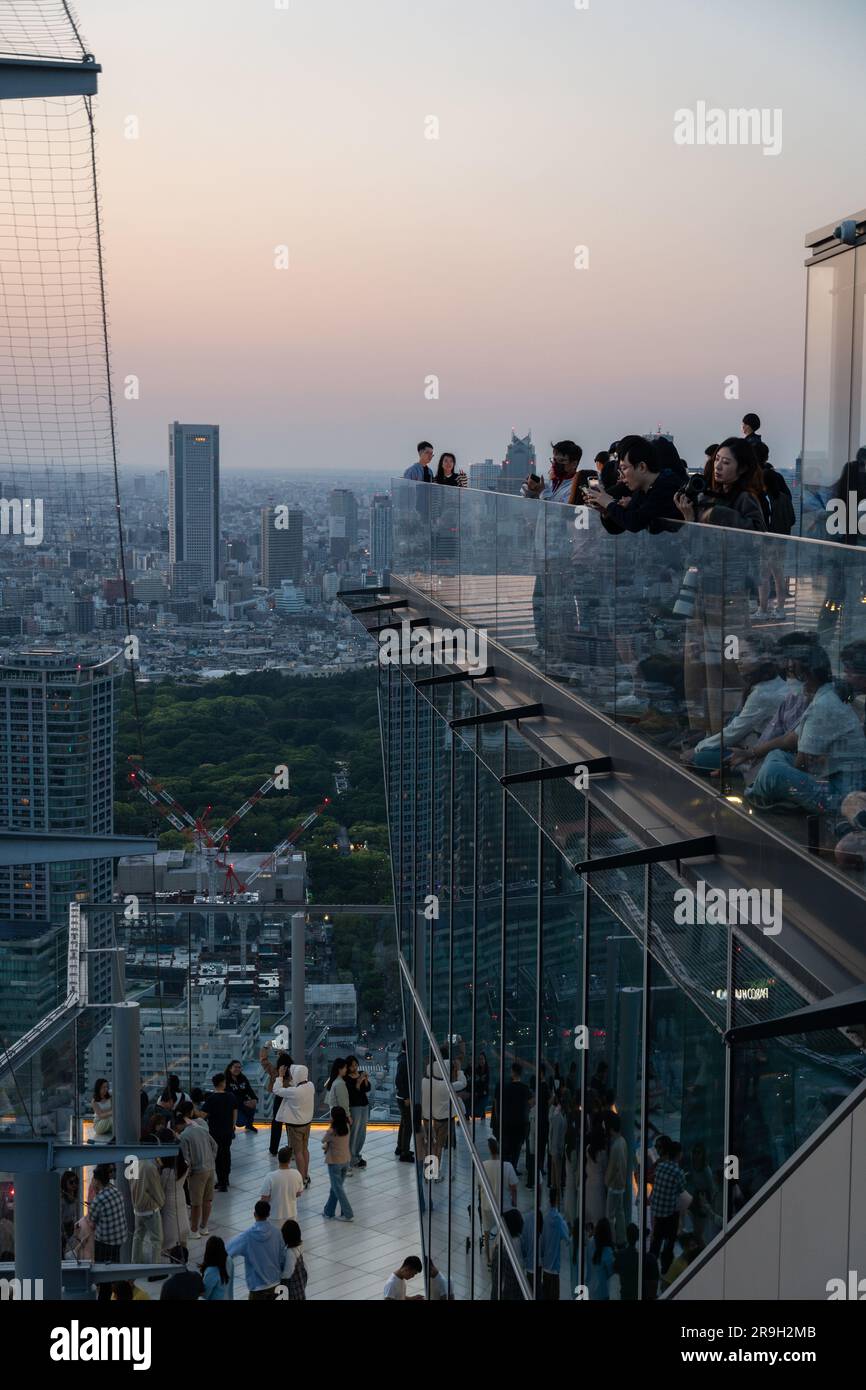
(56, 398)
(121, 549)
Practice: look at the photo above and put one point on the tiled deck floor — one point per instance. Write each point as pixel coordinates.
(353, 1260)
(344, 1261)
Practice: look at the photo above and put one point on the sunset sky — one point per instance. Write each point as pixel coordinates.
(410, 257)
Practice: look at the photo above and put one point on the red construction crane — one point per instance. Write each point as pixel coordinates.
(219, 835)
(205, 839)
(231, 877)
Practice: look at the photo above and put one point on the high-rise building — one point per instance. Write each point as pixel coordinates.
(380, 532)
(485, 475)
(282, 546)
(57, 716)
(342, 523)
(519, 460)
(194, 498)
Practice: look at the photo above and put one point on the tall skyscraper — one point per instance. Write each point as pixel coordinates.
(380, 532)
(194, 498)
(343, 522)
(57, 715)
(519, 460)
(485, 475)
(282, 546)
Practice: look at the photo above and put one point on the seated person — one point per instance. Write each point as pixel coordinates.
(823, 759)
(851, 849)
(764, 688)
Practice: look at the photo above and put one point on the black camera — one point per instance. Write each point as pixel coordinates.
(696, 491)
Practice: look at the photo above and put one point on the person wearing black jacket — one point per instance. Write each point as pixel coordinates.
(737, 492)
(403, 1150)
(650, 504)
(220, 1107)
(245, 1097)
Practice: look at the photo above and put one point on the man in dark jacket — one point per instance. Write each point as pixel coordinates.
(401, 1090)
(650, 505)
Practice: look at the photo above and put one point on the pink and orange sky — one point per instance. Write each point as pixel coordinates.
(455, 257)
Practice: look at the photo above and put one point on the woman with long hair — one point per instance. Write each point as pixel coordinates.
(712, 684)
(175, 1218)
(217, 1271)
(336, 1146)
(358, 1087)
(480, 1086)
(600, 1263)
(70, 1206)
(738, 490)
(103, 1124)
(245, 1097)
(272, 1071)
(294, 1270)
(447, 472)
(596, 1167)
(336, 1090)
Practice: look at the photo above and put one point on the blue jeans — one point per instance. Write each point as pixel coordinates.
(779, 780)
(710, 757)
(359, 1129)
(336, 1173)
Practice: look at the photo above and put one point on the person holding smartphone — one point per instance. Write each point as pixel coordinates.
(358, 1086)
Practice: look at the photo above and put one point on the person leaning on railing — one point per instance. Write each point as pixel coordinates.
(652, 487)
(737, 491)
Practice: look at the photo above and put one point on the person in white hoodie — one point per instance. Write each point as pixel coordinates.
(297, 1104)
(436, 1109)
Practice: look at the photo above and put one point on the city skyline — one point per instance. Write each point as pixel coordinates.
(411, 257)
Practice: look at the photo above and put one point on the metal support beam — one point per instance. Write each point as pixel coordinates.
(397, 625)
(41, 77)
(550, 774)
(844, 1010)
(38, 1233)
(485, 674)
(381, 607)
(47, 1156)
(126, 1095)
(497, 716)
(656, 854)
(298, 982)
(356, 593)
(31, 847)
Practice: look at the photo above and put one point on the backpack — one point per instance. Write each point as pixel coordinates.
(297, 1283)
(782, 514)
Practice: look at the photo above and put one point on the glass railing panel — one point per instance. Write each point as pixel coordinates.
(563, 818)
(44, 1095)
(782, 1088)
(445, 512)
(520, 559)
(693, 640)
(623, 889)
(412, 534)
(478, 572)
(574, 604)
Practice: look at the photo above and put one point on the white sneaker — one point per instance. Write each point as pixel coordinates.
(203, 1231)
(195, 1235)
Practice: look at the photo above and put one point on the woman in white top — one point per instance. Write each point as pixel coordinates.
(103, 1125)
(175, 1219)
(596, 1167)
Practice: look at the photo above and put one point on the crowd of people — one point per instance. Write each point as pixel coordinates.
(775, 716)
(172, 1195)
